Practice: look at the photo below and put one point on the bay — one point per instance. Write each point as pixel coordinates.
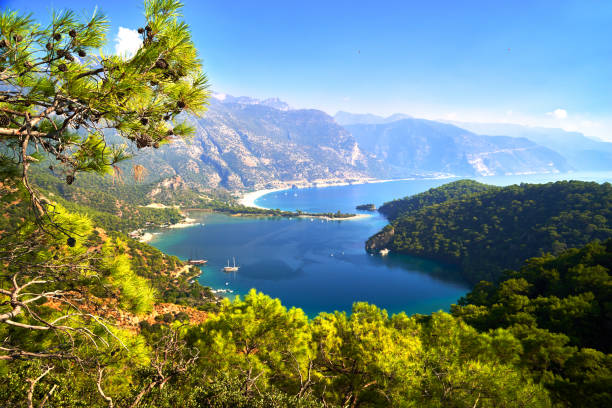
(321, 265)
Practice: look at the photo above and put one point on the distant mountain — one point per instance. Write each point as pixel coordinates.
(345, 118)
(411, 145)
(581, 152)
(275, 103)
(245, 143)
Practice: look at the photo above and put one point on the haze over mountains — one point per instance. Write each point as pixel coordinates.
(581, 152)
(246, 143)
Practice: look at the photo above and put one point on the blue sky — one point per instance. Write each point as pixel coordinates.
(543, 63)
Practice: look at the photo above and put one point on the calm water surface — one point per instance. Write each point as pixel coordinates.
(322, 266)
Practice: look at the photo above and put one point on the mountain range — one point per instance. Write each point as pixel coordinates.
(412, 145)
(581, 152)
(245, 143)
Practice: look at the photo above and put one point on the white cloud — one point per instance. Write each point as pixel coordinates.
(589, 124)
(127, 42)
(219, 96)
(451, 116)
(558, 113)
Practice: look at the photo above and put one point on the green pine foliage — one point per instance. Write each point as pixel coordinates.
(488, 232)
(457, 189)
(560, 309)
(539, 338)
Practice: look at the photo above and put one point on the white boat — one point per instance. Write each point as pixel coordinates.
(384, 252)
(229, 268)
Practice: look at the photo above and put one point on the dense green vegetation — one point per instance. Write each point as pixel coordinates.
(560, 309)
(366, 207)
(91, 318)
(488, 232)
(128, 201)
(238, 209)
(457, 189)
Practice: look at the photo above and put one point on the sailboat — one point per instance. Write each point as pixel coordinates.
(229, 268)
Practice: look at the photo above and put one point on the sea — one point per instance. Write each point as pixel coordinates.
(321, 265)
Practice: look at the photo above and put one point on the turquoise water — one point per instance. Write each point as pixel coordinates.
(321, 266)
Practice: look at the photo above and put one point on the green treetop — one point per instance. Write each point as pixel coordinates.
(60, 97)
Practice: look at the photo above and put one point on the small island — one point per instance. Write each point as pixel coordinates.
(366, 207)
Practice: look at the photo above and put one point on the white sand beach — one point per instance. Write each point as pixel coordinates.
(248, 200)
(323, 217)
(187, 222)
(146, 237)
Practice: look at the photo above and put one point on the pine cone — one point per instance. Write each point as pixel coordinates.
(57, 36)
(161, 63)
(144, 141)
(72, 33)
(167, 117)
(181, 104)
(17, 38)
(69, 180)
(69, 57)
(82, 53)
(144, 121)
(156, 145)
(62, 67)
(3, 43)
(148, 28)
(71, 242)
(61, 53)
(49, 46)
(5, 120)
(140, 30)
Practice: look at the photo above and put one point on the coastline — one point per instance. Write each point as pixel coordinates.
(142, 235)
(146, 237)
(187, 222)
(323, 217)
(248, 199)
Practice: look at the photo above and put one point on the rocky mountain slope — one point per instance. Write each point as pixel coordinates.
(241, 144)
(410, 145)
(245, 143)
(581, 152)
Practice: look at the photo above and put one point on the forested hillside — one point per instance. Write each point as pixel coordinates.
(91, 318)
(499, 228)
(560, 309)
(457, 189)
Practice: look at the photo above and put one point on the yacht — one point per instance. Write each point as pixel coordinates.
(229, 268)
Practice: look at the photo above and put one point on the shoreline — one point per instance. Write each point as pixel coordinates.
(185, 223)
(324, 217)
(248, 199)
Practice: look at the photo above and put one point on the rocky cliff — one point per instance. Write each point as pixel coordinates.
(243, 145)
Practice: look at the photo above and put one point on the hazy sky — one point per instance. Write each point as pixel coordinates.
(543, 63)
